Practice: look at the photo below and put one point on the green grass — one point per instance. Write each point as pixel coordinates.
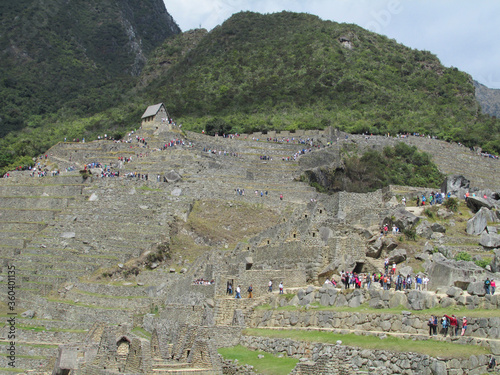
(10, 369)
(25, 356)
(43, 346)
(391, 343)
(43, 329)
(142, 332)
(147, 188)
(269, 365)
(84, 305)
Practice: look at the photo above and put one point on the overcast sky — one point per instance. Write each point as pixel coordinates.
(462, 33)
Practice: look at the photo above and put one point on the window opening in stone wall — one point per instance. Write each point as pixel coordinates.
(249, 266)
(320, 211)
(268, 242)
(188, 352)
(314, 234)
(295, 235)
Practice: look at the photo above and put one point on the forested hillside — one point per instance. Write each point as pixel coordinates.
(80, 56)
(255, 72)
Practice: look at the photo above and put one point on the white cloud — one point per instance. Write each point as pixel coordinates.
(462, 33)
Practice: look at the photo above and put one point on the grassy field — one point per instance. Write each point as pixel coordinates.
(269, 365)
(395, 344)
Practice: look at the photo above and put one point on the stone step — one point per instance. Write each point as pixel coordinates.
(27, 215)
(35, 202)
(112, 301)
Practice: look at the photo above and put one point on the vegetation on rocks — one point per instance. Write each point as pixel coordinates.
(398, 165)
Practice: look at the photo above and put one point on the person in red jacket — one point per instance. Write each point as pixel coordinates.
(453, 324)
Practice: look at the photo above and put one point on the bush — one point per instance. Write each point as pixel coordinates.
(410, 234)
(463, 255)
(483, 262)
(451, 204)
(429, 213)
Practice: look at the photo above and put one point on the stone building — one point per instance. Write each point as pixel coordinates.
(155, 115)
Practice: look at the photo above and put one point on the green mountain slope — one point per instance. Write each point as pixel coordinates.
(255, 72)
(288, 71)
(81, 54)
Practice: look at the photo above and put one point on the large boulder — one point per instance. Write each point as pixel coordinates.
(375, 248)
(490, 240)
(424, 229)
(447, 272)
(438, 228)
(397, 256)
(477, 223)
(173, 176)
(402, 219)
(455, 185)
(476, 203)
(495, 263)
(476, 288)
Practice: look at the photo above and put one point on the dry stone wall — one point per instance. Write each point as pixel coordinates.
(374, 361)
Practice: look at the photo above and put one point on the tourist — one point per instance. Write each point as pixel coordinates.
(445, 324)
(394, 268)
(403, 201)
(238, 292)
(487, 285)
(418, 201)
(464, 325)
(408, 282)
(493, 286)
(425, 282)
(492, 364)
(281, 287)
(453, 324)
(368, 281)
(432, 323)
(229, 288)
(270, 286)
(250, 290)
(418, 283)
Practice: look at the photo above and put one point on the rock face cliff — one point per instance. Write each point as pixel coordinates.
(488, 98)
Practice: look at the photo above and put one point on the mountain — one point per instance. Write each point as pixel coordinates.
(488, 98)
(79, 54)
(288, 71)
(282, 71)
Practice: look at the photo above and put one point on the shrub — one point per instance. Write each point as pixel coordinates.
(410, 234)
(463, 255)
(429, 213)
(483, 262)
(451, 204)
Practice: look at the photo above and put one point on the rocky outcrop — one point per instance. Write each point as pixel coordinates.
(444, 271)
(402, 219)
(495, 263)
(476, 203)
(478, 222)
(456, 185)
(490, 240)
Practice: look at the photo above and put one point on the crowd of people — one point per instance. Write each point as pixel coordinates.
(202, 281)
(386, 280)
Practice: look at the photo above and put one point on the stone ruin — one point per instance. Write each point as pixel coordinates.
(61, 230)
